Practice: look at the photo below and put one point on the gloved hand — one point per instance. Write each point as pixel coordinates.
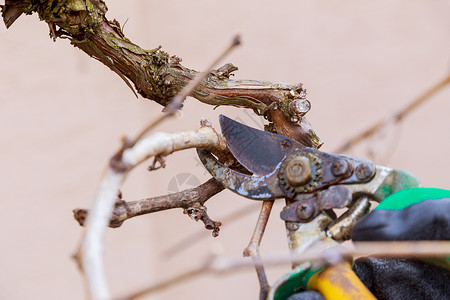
(413, 214)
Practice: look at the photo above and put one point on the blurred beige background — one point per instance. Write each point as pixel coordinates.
(62, 114)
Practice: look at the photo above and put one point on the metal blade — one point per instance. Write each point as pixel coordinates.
(258, 151)
(254, 187)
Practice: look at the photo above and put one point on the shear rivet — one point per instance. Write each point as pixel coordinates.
(339, 168)
(304, 211)
(286, 144)
(363, 171)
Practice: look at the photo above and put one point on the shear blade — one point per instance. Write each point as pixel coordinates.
(253, 187)
(258, 151)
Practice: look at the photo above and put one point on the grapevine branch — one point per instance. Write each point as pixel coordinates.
(126, 210)
(158, 76)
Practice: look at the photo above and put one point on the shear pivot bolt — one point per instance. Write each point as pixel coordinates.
(298, 171)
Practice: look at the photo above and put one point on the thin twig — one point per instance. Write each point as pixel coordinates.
(198, 212)
(394, 118)
(186, 242)
(126, 210)
(252, 249)
(223, 265)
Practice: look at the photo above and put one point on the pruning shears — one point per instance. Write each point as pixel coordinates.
(312, 182)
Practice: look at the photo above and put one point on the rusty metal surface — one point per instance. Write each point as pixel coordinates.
(300, 211)
(305, 209)
(304, 236)
(340, 229)
(279, 184)
(253, 187)
(338, 196)
(312, 181)
(382, 179)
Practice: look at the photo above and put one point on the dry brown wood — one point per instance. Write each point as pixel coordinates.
(158, 76)
(184, 199)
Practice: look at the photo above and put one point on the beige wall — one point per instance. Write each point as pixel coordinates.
(62, 113)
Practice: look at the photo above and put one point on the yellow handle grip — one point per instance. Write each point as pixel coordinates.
(339, 282)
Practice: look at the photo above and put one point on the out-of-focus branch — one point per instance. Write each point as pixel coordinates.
(223, 265)
(252, 250)
(126, 210)
(394, 118)
(399, 249)
(90, 253)
(122, 162)
(166, 143)
(176, 280)
(158, 76)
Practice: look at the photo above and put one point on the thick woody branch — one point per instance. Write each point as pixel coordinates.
(185, 199)
(158, 76)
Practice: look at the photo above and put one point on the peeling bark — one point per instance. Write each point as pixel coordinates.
(155, 74)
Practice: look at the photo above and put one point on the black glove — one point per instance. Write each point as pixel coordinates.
(414, 214)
